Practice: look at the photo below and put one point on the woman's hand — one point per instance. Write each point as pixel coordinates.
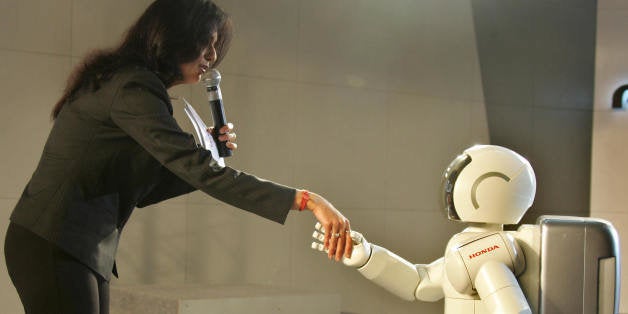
(226, 135)
(336, 227)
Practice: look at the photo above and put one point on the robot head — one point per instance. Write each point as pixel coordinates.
(488, 184)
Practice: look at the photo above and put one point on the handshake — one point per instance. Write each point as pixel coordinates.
(361, 248)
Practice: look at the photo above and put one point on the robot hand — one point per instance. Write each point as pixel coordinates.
(361, 247)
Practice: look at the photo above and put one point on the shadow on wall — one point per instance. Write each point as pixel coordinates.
(537, 60)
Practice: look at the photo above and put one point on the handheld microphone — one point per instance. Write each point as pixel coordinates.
(218, 111)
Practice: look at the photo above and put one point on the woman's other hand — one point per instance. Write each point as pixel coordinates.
(336, 227)
(225, 135)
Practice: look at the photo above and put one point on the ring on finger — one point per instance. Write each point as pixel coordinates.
(336, 235)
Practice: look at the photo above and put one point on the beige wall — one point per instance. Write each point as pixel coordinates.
(363, 101)
(610, 129)
(538, 61)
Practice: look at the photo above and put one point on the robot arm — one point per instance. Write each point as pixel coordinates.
(499, 290)
(487, 264)
(401, 278)
(393, 273)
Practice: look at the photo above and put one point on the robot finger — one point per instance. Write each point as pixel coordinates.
(318, 236)
(319, 227)
(356, 237)
(319, 247)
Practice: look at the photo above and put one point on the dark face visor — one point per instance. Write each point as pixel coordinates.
(449, 181)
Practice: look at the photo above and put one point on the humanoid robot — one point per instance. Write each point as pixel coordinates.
(487, 187)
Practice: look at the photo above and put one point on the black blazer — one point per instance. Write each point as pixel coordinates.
(118, 148)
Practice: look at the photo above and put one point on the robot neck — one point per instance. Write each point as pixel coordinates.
(484, 227)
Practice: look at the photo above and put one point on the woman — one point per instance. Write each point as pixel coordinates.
(115, 146)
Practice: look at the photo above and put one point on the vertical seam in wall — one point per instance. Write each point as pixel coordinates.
(297, 56)
(71, 30)
(186, 243)
(294, 113)
(387, 148)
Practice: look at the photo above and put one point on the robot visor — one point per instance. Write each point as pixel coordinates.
(449, 184)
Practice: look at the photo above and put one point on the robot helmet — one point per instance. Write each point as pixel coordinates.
(488, 184)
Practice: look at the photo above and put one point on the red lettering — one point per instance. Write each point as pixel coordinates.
(483, 251)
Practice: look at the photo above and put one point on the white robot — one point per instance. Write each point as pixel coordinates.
(488, 270)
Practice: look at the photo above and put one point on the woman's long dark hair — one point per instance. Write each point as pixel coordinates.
(168, 34)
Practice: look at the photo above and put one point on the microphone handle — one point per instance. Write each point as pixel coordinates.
(218, 113)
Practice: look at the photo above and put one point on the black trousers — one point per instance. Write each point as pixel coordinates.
(48, 280)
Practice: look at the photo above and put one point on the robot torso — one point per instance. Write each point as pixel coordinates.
(466, 258)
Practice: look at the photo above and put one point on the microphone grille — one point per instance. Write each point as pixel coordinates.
(212, 79)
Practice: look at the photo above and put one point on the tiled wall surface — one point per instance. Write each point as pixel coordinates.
(610, 127)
